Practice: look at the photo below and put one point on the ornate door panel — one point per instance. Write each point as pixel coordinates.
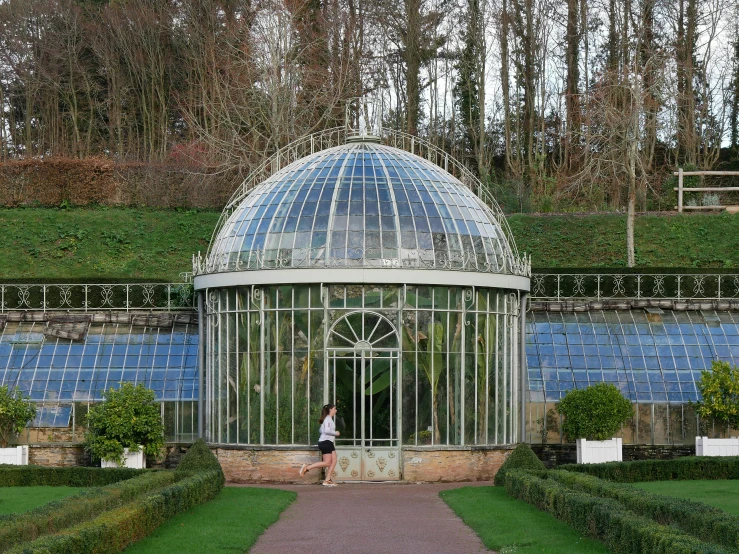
(363, 383)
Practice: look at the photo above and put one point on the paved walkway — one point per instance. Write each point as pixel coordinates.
(369, 518)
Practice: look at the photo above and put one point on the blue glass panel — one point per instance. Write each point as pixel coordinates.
(652, 353)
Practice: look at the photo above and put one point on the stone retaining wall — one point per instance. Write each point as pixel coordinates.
(474, 464)
(255, 465)
(57, 455)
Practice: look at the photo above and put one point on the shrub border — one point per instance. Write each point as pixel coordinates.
(32, 476)
(58, 515)
(623, 531)
(687, 468)
(700, 520)
(116, 529)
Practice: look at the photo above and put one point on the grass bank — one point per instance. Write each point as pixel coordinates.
(106, 243)
(505, 524)
(144, 244)
(16, 500)
(668, 240)
(231, 522)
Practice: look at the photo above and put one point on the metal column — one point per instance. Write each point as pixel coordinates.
(201, 364)
(523, 366)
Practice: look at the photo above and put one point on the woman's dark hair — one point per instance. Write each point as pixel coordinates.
(325, 411)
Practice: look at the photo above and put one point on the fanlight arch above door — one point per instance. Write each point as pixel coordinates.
(363, 331)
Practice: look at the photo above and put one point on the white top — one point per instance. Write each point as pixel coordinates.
(327, 430)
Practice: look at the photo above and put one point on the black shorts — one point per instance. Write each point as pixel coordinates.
(326, 447)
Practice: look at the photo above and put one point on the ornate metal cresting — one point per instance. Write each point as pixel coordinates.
(103, 296)
(318, 257)
(557, 287)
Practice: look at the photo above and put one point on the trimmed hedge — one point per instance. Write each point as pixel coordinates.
(35, 476)
(700, 520)
(623, 531)
(688, 468)
(522, 457)
(61, 514)
(116, 529)
(199, 458)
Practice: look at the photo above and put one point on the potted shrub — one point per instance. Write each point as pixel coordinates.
(719, 403)
(592, 416)
(15, 413)
(125, 428)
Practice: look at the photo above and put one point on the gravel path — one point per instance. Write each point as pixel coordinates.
(371, 518)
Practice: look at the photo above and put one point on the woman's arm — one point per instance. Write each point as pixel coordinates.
(327, 428)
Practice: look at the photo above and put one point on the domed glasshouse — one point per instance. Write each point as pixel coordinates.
(369, 277)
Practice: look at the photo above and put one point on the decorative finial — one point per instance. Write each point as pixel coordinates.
(363, 120)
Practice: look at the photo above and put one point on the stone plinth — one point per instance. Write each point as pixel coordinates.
(59, 455)
(458, 464)
(265, 465)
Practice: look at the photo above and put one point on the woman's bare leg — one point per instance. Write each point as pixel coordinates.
(332, 465)
(325, 463)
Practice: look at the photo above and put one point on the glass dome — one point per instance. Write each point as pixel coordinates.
(362, 204)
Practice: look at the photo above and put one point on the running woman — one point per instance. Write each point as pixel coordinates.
(325, 445)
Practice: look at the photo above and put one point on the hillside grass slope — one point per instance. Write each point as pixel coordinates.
(89, 244)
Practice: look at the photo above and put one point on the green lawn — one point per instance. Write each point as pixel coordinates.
(230, 523)
(509, 525)
(14, 500)
(660, 241)
(720, 494)
(101, 243)
(142, 244)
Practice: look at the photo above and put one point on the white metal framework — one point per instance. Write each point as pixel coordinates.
(348, 271)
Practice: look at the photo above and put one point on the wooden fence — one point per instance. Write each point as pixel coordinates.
(681, 189)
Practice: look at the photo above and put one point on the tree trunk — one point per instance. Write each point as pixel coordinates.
(505, 83)
(413, 64)
(573, 77)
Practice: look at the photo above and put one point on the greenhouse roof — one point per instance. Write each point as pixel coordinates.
(362, 205)
(649, 357)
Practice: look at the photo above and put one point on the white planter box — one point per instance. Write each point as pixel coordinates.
(18, 455)
(599, 452)
(716, 447)
(135, 460)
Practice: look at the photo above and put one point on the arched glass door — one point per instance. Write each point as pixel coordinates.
(363, 360)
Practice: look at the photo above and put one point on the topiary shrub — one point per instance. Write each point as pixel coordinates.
(719, 390)
(596, 412)
(129, 417)
(522, 457)
(199, 458)
(15, 413)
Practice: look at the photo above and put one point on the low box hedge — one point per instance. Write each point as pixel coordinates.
(623, 531)
(36, 476)
(116, 529)
(686, 468)
(700, 520)
(61, 514)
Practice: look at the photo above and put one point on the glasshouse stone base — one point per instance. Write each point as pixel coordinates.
(260, 464)
(57, 455)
